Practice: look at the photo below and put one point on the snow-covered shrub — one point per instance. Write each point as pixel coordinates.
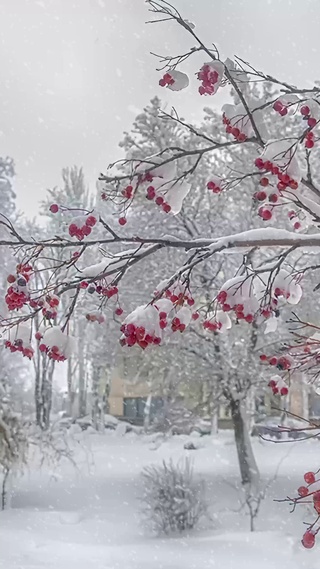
(173, 500)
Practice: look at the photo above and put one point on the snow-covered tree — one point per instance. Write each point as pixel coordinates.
(268, 276)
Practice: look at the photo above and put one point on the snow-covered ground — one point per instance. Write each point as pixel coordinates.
(78, 518)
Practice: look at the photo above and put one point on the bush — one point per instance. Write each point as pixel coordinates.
(172, 500)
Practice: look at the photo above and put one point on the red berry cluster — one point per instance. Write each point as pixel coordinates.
(209, 77)
(285, 181)
(49, 307)
(306, 113)
(293, 216)
(107, 291)
(177, 325)
(81, 231)
(212, 325)
(309, 140)
(214, 187)
(17, 346)
(137, 335)
(309, 537)
(280, 107)
(16, 298)
(159, 200)
(262, 195)
(93, 317)
(167, 79)
(127, 192)
(52, 352)
(17, 294)
(233, 129)
(178, 297)
(283, 363)
(278, 388)
(239, 309)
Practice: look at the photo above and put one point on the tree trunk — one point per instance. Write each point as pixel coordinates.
(248, 468)
(147, 409)
(82, 376)
(46, 392)
(96, 407)
(5, 490)
(214, 420)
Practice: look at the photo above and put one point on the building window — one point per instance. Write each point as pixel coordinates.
(133, 407)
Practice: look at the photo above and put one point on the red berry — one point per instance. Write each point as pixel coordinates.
(43, 348)
(312, 122)
(249, 318)
(54, 208)
(284, 391)
(303, 491)
(273, 361)
(265, 214)
(297, 225)
(273, 198)
(166, 207)
(309, 143)
(309, 477)
(91, 221)
(159, 200)
(151, 193)
(73, 230)
(11, 278)
(305, 111)
(260, 196)
(293, 184)
(278, 106)
(259, 163)
(38, 335)
(122, 220)
(195, 316)
(264, 181)
(308, 539)
(83, 284)
(263, 357)
(118, 311)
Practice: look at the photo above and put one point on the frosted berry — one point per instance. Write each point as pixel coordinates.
(305, 110)
(151, 193)
(54, 208)
(309, 477)
(265, 214)
(91, 220)
(11, 279)
(312, 122)
(303, 491)
(308, 539)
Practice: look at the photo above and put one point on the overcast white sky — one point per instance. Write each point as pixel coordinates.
(73, 73)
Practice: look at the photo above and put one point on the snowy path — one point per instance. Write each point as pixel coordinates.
(90, 519)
